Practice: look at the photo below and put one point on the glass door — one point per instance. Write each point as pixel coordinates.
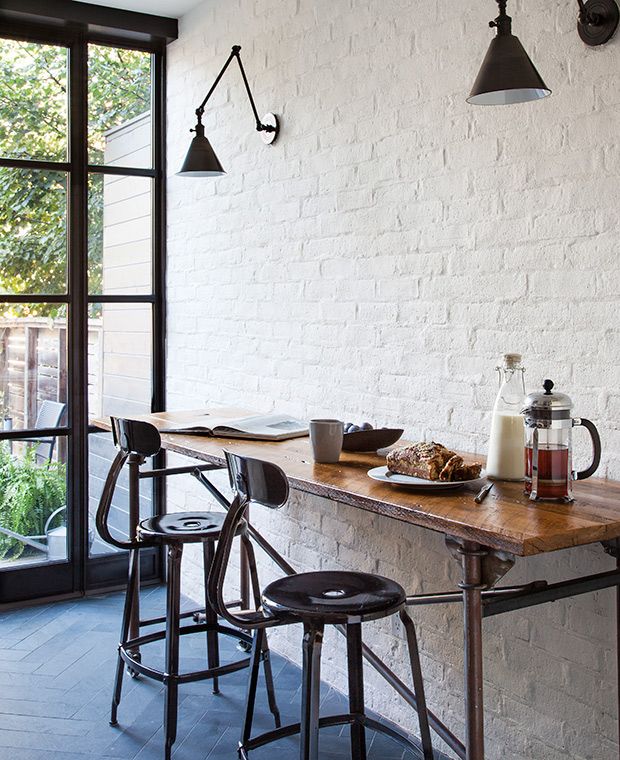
(81, 299)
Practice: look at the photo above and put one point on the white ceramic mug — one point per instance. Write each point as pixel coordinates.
(326, 439)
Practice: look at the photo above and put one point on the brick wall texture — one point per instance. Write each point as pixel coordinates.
(374, 264)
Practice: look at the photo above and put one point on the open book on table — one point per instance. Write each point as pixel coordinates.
(268, 427)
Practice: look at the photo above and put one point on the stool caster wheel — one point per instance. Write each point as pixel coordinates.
(244, 646)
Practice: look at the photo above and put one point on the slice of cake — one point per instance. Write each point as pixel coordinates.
(421, 460)
(450, 468)
(468, 471)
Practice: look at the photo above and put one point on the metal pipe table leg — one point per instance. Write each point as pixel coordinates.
(618, 647)
(471, 555)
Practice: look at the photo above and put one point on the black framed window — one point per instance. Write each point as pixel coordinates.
(82, 277)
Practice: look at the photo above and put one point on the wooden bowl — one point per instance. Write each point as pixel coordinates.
(370, 440)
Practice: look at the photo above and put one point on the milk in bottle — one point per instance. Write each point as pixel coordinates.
(506, 459)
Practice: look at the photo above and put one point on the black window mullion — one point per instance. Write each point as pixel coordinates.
(32, 298)
(123, 171)
(78, 312)
(15, 435)
(28, 163)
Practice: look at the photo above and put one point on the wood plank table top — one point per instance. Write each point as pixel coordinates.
(506, 520)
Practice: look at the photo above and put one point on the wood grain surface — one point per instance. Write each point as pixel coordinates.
(506, 520)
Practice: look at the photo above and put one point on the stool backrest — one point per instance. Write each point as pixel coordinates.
(253, 481)
(257, 481)
(133, 439)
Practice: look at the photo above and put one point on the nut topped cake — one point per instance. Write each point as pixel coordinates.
(422, 460)
(431, 461)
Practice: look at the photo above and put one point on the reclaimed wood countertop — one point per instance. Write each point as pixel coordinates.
(506, 520)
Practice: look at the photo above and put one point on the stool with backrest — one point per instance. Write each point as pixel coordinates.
(316, 599)
(136, 441)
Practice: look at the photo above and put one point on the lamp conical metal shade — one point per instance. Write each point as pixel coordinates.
(507, 75)
(201, 160)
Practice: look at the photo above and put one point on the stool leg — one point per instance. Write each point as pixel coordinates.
(256, 591)
(134, 558)
(356, 690)
(213, 646)
(171, 683)
(418, 684)
(250, 699)
(310, 695)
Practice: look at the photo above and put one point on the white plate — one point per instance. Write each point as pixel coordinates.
(385, 476)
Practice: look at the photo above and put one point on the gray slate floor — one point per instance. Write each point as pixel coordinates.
(56, 665)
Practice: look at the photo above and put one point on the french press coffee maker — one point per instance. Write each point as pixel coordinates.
(548, 446)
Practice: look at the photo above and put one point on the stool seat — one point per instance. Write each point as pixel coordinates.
(334, 596)
(188, 527)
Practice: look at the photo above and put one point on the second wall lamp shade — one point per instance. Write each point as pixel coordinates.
(507, 74)
(201, 160)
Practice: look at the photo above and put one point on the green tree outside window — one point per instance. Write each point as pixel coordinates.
(34, 125)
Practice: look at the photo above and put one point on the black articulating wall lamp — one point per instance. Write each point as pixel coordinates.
(201, 160)
(507, 74)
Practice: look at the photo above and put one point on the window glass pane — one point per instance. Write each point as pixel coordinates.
(119, 234)
(119, 107)
(33, 101)
(33, 365)
(101, 453)
(119, 370)
(119, 385)
(33, 499)
(33, 226)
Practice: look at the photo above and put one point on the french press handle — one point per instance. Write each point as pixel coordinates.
(596, 449)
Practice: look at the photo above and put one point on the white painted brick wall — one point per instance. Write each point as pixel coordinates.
(374, 264)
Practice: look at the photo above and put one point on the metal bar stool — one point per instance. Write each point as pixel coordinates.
(136, 441)
(314, 599)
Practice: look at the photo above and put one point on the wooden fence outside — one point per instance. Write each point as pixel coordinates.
(33, 366)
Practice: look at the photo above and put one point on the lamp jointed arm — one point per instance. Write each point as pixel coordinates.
(235, 53)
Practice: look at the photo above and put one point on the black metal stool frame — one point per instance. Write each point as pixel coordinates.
(137, 441)
(391, 678)
(264, 483)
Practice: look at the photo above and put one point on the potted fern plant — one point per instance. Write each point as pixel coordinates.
(29, 493)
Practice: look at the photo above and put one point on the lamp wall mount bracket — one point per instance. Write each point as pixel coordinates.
(598, 21)
(270, 128)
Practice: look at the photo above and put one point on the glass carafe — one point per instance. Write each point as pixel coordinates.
(505, 458)
(549, 425)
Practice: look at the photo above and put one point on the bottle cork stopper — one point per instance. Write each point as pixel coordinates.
(512, 360)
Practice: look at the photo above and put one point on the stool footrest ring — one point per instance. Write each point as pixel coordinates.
(225, 630)
(343, 719)
(127, 648)
(196, 675)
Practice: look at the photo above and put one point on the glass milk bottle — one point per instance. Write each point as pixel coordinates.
(506, 442)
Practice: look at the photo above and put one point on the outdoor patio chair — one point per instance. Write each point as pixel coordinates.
(49, 416)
